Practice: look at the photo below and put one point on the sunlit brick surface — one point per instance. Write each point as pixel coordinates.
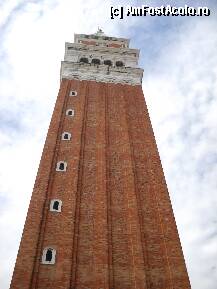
(116, 229)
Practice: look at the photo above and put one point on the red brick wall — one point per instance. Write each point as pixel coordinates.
(115, 45)
(88, 42)
(116, 228)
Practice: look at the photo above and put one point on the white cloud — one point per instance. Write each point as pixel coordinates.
(6, 8)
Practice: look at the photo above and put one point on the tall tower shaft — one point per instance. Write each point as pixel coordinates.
(100, 215)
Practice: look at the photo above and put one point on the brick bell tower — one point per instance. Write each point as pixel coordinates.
(100, 215)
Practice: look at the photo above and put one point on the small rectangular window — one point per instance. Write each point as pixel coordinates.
(73, 93)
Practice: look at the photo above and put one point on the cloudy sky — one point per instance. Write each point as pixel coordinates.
(179, 57)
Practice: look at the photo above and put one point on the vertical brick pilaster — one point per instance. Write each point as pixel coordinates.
(116, 229)
(27, 257)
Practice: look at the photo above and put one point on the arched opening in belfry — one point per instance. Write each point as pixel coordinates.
(84, 60)
(95, 61)
(119, 63)
(108, 62)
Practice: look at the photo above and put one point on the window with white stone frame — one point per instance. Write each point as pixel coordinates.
(61, 166)
(48, 256)
(70, 112)
(55, 205)
(73, 93)
(66, 136)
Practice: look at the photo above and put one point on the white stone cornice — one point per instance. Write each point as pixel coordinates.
(82, 47)
(101, 58)
(101, 73)
(101, 39)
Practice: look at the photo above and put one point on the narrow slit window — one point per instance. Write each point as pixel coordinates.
(73, 93)
(61, 166)
(70, 112)
(66, 136)
(48, 256)
(55, 205)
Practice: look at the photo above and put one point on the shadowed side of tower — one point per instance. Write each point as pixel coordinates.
(100, 215)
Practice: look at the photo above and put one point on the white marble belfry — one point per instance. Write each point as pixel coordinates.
(102, 59)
